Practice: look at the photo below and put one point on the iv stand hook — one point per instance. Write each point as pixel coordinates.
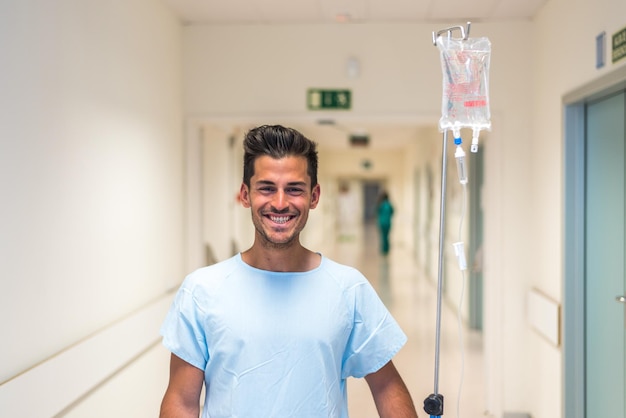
(464, 32)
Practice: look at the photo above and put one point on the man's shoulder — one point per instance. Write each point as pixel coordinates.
(336, 265)
(344, 273)
(213, 273)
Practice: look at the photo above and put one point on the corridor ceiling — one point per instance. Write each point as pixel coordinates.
(369, 11)
(383, 133)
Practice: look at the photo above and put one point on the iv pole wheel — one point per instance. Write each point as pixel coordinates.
(433, 405)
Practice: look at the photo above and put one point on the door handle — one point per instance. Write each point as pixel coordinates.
(621, 299)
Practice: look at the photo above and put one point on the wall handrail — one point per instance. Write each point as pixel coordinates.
(66, 377)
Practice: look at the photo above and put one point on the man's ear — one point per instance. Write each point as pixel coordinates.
(315, 196)
(244, 195)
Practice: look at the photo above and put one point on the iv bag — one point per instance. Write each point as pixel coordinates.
(465, 66)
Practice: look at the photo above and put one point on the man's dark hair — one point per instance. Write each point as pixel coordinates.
(277, 142)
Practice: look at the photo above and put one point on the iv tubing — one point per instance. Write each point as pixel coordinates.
(440, 269)
(460, 319)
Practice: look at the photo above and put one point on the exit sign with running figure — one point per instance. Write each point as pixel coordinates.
(326, 99)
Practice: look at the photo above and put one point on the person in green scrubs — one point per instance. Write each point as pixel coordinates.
(385, 213)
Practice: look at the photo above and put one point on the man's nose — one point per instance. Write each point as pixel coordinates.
(280, 202)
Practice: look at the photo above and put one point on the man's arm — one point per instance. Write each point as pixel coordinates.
(182, 397)
(390, 394)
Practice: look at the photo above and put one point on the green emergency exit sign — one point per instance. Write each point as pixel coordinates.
(328, 99)
(619, 45)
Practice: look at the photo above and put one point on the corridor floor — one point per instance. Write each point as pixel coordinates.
(412, 300)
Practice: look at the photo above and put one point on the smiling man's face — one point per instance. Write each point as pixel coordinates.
(280, 197)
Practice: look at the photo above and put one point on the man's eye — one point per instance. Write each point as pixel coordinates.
(295, 191)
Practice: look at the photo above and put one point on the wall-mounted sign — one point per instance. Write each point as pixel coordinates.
(619, 45)
(326, 99)
(600, 55)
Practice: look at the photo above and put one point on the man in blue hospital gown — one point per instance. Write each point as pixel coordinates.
(276, 330)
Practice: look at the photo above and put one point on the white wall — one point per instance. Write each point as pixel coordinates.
(564, 42)
(424, 156)
(135, 392)
(91, 178)
(219, 188)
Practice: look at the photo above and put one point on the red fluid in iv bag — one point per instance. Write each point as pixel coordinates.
(465, 66)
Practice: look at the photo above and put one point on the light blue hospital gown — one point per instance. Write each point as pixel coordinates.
(279, 344)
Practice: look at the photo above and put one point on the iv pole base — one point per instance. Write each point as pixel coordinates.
(433, 405)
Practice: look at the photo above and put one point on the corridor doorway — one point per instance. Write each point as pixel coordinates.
(595, 245)
(371, 193)
(604, 249)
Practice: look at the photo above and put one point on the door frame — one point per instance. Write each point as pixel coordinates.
(574, 237)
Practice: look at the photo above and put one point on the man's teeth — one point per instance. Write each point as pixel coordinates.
(279, 219)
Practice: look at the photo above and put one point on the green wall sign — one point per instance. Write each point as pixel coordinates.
(326, 99)
(619, 45)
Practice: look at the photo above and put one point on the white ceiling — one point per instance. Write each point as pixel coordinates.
(326, 11)
(383, 134)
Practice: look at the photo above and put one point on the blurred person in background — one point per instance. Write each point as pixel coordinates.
(385, 213)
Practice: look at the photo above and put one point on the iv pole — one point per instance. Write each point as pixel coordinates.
(433, 404)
